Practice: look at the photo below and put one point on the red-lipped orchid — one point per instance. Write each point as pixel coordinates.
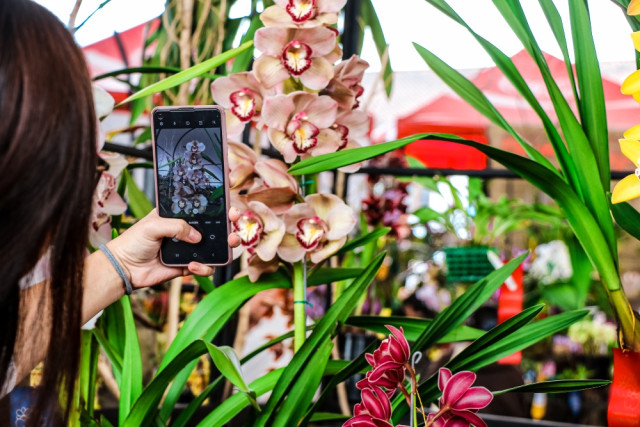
(302, 13)
(242, 96)
(106, 200)
(299, 124)
(304, 54)
(345, 85)
(260, 231)
(459, 402)
(317, 227)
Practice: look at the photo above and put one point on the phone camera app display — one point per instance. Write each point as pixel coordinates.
(190, 174)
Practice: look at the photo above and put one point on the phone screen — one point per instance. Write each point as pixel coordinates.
(190, 179)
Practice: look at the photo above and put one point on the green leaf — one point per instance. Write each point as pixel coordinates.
(338, 312)
(131, 381)
(146, 69)
(505, 64)
(205, 283)
(231, 407)
(189, 73)
(452, 316)
(557, 386)
(474, 97)
(427, 214)
(374, 236)
(412, 327)
(138, 203)
(243, 60)
(320, 417)
(579, 145)
(330, 275)
(302, 392)
(226, 360)
(627, 217)
(370, 18)
(114, 357)
(592, 107)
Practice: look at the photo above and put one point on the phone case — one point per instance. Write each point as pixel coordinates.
(223, 131)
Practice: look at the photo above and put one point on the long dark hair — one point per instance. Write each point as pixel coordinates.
(47, 166)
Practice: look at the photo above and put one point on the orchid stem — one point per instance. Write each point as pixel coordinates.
(299, 305)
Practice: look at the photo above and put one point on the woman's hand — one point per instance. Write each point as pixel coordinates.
(138, 249)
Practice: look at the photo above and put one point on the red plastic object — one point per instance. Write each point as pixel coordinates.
(510, 304)
(624, 397)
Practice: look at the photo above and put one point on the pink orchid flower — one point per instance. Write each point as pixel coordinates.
(242, 160)
(103, 104)
(275, 188)
(345, 85)
(299, 124)
(242, 96)
(387, 379)
(304, 54)
(459, 402)
(317, 227)
(260, 231)
(106, 200)
(256, 267)
(351, 125)
(302, 13)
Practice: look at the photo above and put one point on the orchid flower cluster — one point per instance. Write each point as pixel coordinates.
(308, 107)
(189, 181)
(458, 405)
(106, 200)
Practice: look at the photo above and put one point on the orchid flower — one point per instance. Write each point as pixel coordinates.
(317, 227)
(195, 147)
(299, 124)
(242, 96)
(181, 203)
(241, 163)
(304, 54)
(106, 200)
(198, 204)
(275, 188)
(302, 13)
(260, 231)
(345, 87)
(629, 187)
(103, 104)
(459, 402)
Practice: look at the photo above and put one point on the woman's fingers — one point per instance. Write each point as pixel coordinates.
(200, 269)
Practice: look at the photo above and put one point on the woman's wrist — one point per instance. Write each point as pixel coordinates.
(102, 285)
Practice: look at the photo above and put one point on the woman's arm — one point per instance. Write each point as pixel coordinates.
(137, 251)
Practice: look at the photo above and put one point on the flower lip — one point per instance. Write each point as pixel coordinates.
(303, 134)
(243, 104)
(343, 132)
(296, 57)
(249, 228)
(301, 10)
(310, 232)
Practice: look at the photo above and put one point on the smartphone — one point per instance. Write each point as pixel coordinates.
(192, 183)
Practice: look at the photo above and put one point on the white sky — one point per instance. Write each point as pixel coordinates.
(403, 22)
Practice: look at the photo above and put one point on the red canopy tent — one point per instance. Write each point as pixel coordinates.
(122, 50)
(450, 114)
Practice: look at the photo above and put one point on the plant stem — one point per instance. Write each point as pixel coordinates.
(628, 333)
(299, 305)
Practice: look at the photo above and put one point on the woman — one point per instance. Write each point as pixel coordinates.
(48, 165)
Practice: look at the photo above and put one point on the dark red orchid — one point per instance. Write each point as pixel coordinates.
(393, 351)
(389, 379)
(459, 402)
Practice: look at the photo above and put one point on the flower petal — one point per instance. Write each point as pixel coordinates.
(631, 84)
(270, 40)
(318, 75)
(279, 199)
(399, 335)
(114, 205)
(221, 90)
(321, 40)
(277, 111)
(456, 422)
(468, 416)
(341, 221)
(268, 246)
(269, 71)
(635, 37)
(328, 6)
(295, 214)
(283, 144)
(322, 111)
(103, 102)
(457, 386)
(323, 204)
(330, 248)
(475, 398)
(289, 249)
(631, 149)
(376, 403)
(275, 16)
(274, 174)
(628, 188)
(633, 8)
(633, 133)
(234, 125)
(258, 267)
(328, 142)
